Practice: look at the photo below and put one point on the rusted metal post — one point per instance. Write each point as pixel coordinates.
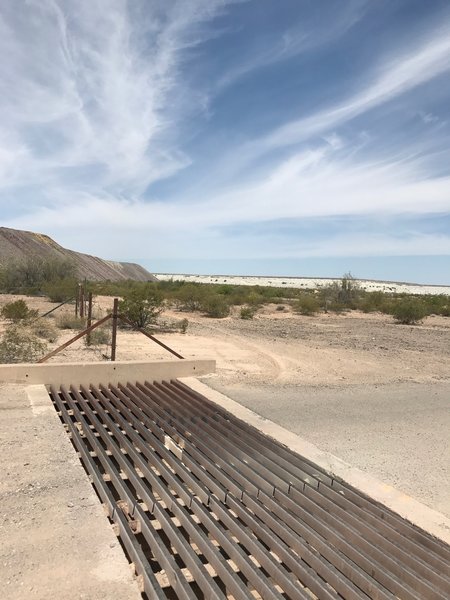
(81, 300)
(77, 300)
(114, 329)
(89, 319)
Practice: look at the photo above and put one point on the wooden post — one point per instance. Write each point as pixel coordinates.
(114, 329)
(89, 319)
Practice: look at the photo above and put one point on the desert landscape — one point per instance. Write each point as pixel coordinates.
(369, 390)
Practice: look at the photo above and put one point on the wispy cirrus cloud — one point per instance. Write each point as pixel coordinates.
(102, 120)
(394, 76)
(301, 38)
(89, 87)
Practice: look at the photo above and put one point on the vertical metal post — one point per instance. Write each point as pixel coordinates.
(81, 300)
(114, 328)
(89, 319)
(77, 300)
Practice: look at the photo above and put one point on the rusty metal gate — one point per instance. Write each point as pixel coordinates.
(206, 506)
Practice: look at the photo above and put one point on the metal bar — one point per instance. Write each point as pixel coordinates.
(81, 303)
(49, 312)
(89, 319)
(155, 484)
(114, 329)
(235, 515)
(395, 564)
(126, 534)
(415, 556)
(364, 582)
(74, 339)
(294, 563)
(340, 491)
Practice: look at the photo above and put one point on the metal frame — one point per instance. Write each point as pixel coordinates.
(226, 511)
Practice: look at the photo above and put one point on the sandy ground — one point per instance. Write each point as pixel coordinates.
(55, 543)
(372, 392)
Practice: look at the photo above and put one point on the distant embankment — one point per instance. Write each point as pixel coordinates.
(307, 283)
(17, 245)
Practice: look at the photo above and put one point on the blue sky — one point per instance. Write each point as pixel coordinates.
(284, 137)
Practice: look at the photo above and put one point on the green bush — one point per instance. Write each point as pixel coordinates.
(61, 290)
(339, 296)
(409, 311)
(191, 297)
(306, 304)
(20, 345)
(18, 311)
(32, 274)
(70, 321)
(141, 306)
(247, 312)
(216, 307)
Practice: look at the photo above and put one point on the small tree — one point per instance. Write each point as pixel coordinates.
(409, 311)
(141, 306)
(191, 297)
(216, 307)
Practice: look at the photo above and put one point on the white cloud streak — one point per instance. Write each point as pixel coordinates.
(391, 79)
(89, 84)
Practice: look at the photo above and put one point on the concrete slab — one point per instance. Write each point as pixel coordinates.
(101, 372)
(55, 540)
(410, 509)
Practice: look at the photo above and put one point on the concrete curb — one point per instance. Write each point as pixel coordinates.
(431, 521)
(104, 372)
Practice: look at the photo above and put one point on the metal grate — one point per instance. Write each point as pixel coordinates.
(208, 507)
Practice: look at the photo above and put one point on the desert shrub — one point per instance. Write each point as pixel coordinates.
(372, 301)
(191, 297)
(255, 299)
(445, 310)
(409, 311)
(141, 306)
(247, 312)
(101, 336)
(216, 307)
(341, 295)
(61, 289)
(19, 345)
(70, 321)
(44, 329)
(184, 325)
(33, 273)
(18, 311)
(280, 308)
(306, 304)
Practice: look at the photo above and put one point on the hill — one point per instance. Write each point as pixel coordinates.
(17, 245)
